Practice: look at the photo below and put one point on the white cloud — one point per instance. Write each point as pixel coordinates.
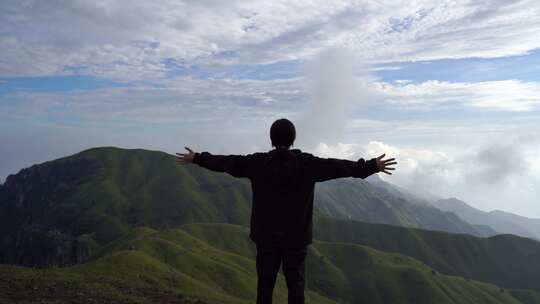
(183, 100)
(130, 40)
(330, 120)
(337, 82)
(507, 95)
(499, 175)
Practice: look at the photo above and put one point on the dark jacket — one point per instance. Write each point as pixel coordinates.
(283, 184)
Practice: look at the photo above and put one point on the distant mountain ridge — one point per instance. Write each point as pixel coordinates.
(502, 222)
(530, 224)
(360, 200)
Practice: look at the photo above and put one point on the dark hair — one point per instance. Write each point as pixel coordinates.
(282, 133)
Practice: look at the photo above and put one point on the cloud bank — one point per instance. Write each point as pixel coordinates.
(129, 40)
(498, 176)
(505, 95)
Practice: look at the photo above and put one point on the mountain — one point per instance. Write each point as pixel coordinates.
(66, 208)
(360, 200)
(422, 198)
(214, 263)
(501, 221)
(425, 199)
(98, 194)
(532, 225)
(506, 260)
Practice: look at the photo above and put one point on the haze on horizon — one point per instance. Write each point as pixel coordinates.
(450, 88)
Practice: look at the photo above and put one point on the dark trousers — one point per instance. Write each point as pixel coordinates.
(269, 259)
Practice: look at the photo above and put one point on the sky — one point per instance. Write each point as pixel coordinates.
(449, 88)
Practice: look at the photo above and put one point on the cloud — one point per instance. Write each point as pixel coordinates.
(136, 40)
(183, 99)
(340, 109)
(487, 176)
(504, 95)
(336, 81)
(499, 161)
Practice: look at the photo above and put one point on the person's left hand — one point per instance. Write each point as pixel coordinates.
(185, 158)
(383, 164)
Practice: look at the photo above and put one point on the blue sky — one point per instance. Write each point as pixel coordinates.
(450, 88)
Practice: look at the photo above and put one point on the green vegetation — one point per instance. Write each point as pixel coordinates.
(195, 263)
(505, 260)
(359, 200)
(526, 296)
(101, 193)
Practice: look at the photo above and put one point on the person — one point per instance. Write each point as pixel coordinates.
(283, 182)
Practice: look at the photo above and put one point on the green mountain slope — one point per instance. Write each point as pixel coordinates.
(66, 208)
(505, 260)
(100, 193)
(180, 265)
(362, 201)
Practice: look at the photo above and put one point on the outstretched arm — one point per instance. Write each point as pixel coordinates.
(330, 168)
(235, 165)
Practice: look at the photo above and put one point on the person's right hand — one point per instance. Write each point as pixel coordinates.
(185, 158)
(383, 164)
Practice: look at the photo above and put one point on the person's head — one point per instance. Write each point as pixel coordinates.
(282, 133)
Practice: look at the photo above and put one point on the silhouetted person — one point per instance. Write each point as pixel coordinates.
(283, 183)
